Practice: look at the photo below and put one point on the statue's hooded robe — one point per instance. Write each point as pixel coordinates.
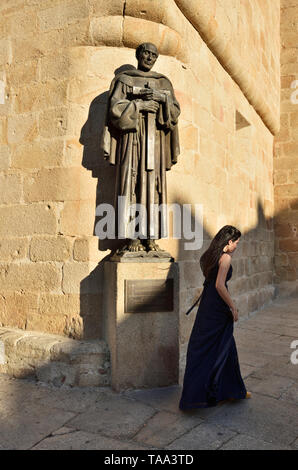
(125, 146)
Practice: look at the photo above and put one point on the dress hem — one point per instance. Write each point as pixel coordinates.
(209, 404)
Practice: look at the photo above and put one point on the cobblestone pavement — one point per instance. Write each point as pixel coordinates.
(37, 416)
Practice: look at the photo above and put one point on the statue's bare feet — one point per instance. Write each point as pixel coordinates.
(135, 245)
(141, 249)
(152, 245)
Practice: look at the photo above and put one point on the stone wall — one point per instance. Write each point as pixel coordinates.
(253, 62)
(57, 60)
(286, 156)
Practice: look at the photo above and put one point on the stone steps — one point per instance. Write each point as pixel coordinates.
(54, 359)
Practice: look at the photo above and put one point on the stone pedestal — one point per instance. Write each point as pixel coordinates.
(142, 323)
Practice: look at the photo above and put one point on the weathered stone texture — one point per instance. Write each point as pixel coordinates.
(50, 249)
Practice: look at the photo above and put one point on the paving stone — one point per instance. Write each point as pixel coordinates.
(274, 326)
(4, 379)
(113, 416)
(288, 316)
(80, 440)
(260, 417)
(289, 370)
(205, 436)
(276, 347)
(291, 394)
(246, 370)
(76, 400)
(16, 395)
(164, 427)
(259, 321)
(2, 447)
(63, 430)
(22, 429)
(282, 346)
(243, 442)
(286, 330)
(251, 382)
(165, 399)
(253, 358)
(250, 336)
(273, 386)
(277, 366)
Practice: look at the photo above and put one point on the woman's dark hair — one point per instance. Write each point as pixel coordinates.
(210, 257)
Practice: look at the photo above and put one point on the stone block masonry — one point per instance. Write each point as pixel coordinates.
(285, 158)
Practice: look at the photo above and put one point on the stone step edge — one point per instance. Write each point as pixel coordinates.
(54, 359)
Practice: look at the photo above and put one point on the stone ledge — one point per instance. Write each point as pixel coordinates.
(54, 359)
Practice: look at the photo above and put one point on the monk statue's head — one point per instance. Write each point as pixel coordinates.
(146, 55)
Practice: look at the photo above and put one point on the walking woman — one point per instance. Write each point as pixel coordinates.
(212, 372)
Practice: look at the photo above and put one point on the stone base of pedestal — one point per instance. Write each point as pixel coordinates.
(142, 323)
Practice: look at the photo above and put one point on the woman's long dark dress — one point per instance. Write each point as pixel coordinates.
(212, 372)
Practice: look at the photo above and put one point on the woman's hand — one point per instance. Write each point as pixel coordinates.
(235, 313)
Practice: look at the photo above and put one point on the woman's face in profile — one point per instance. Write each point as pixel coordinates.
(233, 245)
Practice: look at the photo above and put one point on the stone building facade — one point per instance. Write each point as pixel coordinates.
(57, 59)
(286, 156)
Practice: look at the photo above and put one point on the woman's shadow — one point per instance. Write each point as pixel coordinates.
(92, 139)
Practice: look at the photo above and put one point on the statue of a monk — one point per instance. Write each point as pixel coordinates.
(142, 141)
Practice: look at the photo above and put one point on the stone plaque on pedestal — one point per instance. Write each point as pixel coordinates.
(142, 323)
(150, 295)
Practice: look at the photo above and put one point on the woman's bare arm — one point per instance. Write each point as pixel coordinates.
(224, 265)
